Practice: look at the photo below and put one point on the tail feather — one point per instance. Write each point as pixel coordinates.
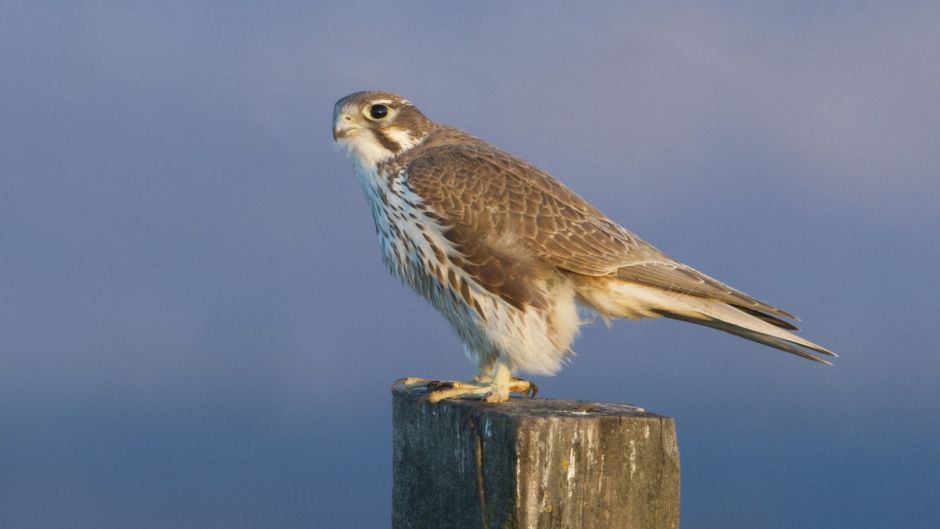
(631, 300)
(769, 318)
(756, 336)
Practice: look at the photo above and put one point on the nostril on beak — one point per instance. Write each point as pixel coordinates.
(341, 126)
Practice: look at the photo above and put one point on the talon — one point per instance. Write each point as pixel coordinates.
(533, 390)
(437, 385)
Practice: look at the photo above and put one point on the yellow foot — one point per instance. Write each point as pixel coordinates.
(439, 390)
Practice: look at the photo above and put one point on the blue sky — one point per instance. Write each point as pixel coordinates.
(197, 330)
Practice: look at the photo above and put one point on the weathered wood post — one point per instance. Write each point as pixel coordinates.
(532, 463)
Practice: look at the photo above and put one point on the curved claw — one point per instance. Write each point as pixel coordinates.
(533, 390)
(526, 388)
(438, 385)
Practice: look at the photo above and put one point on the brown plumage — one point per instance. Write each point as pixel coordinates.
(509, 241)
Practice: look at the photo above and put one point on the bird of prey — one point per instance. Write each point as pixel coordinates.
(507, 253)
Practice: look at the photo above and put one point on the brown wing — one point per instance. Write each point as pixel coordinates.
(500, 210)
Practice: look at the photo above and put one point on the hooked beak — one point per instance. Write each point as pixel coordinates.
(343, 126)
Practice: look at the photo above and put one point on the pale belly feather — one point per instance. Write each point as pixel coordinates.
(414, 248)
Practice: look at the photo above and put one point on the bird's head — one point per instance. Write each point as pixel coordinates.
(374, 126)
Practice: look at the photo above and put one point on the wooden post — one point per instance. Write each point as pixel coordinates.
(532, 463)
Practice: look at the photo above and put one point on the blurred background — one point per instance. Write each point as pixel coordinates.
(196, 330)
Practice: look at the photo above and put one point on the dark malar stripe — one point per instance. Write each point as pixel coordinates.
(387, 142)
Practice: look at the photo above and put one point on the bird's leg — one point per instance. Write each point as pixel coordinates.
(493, 383)
(516, 384)
(492, 386)
(487, 364)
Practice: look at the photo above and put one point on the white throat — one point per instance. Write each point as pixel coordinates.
(365, 151)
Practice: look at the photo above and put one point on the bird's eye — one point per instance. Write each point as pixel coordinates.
(378, 111)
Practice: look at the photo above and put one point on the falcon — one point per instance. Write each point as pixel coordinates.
(508, 254)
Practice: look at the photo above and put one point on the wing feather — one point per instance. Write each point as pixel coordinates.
(484, 194)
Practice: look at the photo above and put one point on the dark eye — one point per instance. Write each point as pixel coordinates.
(378, 111)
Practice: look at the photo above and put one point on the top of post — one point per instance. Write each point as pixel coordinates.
(533, 407)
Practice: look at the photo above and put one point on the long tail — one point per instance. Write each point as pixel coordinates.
(624, 299)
